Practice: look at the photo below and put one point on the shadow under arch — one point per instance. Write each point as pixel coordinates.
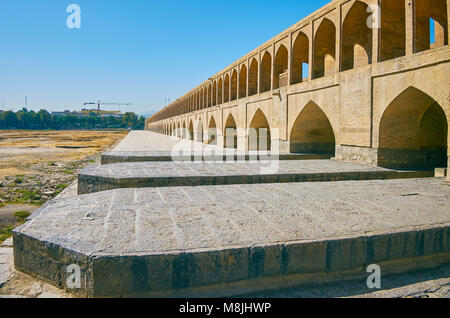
(230, 133)
(413, 132)
(259, 132)
(212, 132)
(312, 132)
(191, 131)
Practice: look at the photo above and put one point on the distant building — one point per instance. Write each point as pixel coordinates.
(86, 112)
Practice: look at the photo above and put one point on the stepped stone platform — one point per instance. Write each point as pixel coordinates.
(224, 155)
(233, 239)
(166, 174)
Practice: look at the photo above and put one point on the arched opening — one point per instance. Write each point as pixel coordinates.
(234, 85)
(259, 132)
(230, 133)
(219, 92)
(300, 52)
(325, 49)
(214, 94)
(281, 66)
(204, 98)
(184, 131)
(209, 95)
(312, 132)
(265, 80)
(253, 78)
(179, 130)
(191, 131)
(226, 89)
(199, 132)
(243, 82)
(393, 29)
(427, 11)
(356, 38)
(413, 133)
(212, 132)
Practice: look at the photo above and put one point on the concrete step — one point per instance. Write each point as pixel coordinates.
(169, 174)
(151, 156)
(234, 239)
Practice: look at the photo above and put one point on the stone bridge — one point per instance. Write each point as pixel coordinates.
(366, 81)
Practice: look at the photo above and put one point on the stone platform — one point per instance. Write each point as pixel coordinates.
(151, 156)
(166, 174)
(233, 239)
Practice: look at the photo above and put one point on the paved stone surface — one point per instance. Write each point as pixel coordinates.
(265, 213)
(202, 229)
(163, 174)
(138, 140)
(216, 155)
(6, 266)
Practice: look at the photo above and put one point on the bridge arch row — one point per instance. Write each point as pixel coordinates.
(321, 46)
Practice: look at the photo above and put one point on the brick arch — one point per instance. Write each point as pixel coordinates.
(324, 59)
(265, 76)
(230, 132)
(280, 67)
(191, 130)
(259, 137)
(212, 132)
(356, 43)
(253, 78)
(413, 132)
(300, 56)
(312, 131)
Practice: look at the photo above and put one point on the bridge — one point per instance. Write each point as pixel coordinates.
(366, 81)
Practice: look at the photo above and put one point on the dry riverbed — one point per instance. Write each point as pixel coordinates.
(35, 166)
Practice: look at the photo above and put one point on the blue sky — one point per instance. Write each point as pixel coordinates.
(137, 51)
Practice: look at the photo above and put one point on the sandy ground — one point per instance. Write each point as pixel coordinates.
(20, 150)
(36, 166)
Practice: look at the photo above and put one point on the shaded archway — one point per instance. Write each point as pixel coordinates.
(259, 132)
(214, 94)
(429, 12)
(413, 132)
(234, 85)
(199, 132)
(226, 89)
(253, 78)
(312, 132)
(281, 66)
(184, 131)
(212, 132)
(219, 92)
(393, 29)
(178, 133)
(265, 79)
(300, 57)
(191, 131)
(356, 38)
(230, 133)
(325, 49)
(209, 95)
(243, 82)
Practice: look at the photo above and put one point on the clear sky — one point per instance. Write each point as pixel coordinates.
(133, 51)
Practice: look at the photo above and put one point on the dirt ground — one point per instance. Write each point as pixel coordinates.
(35, 166)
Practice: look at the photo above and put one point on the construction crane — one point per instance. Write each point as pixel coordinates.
(99, 103)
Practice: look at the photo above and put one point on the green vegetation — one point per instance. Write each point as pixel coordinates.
(25, 119)
(29, 197)
(21, 216)
(2, 205)
(5, 232)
